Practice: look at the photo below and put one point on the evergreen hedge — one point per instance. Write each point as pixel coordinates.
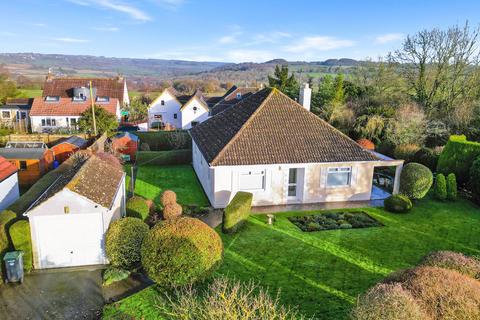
(415, 180)
(237, 212)
(160, 158)
(440, 189)
(452, 187)
(165, 140)
(474, 183)
(137, 207)
(22, 241)
(427, 157)
(457, 157)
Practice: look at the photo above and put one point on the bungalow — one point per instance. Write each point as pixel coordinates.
(275, 148)
(32, 159)
(69, 220)
(9, 191)
(63, 149)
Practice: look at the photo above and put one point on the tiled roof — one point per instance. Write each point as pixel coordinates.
(22, 153)
(74, 140)
(63, 87)
(19, 101)
(127, 136)
(67, 107)
(94, 178)
(269, 128)
(6, 169)
(231, 98)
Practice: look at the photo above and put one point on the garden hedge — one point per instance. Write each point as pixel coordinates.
(137, 207)
(181, 251)
(405, 152)
(474, 183)
(452, 187)
(6, 218)
(21, 240)
(237, 212)
(123, 242)
(415, 180)
(166, 140)
(160, 158)
(457, 157)
(440, 189)
(398, 203)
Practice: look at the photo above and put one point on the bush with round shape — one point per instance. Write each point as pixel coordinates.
(405, 151)
(172, 211)
(387, 301)
(137, 207)
(452, 189)
(123, 242)
(366, 144)
(415, 180)
(398, 203)
(444, 294)
(459, 262)
(426, 156)
(181, 251)
(440, 188)
(168, 197)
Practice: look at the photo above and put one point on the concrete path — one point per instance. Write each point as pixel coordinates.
(317, 206)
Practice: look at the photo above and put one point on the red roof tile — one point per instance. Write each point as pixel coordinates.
(67, 107)
(6, 169)
(63, 87)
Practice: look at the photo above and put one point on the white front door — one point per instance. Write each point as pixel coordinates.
(69, 240)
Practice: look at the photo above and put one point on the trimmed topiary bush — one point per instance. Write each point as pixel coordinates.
(137, 207)
(452, 187)
(440, 189)
(168, 197)
(426, 156)
(172, 211)
(387, 301)
(415, 180)
(123, 242)
(181, 251)
(237, 212)
(459, 262)
(22, 241)
(458, 156)
(474, 183)
(398, 203)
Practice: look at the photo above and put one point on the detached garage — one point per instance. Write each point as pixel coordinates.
(69, 221)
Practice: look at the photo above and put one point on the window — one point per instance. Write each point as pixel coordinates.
(251, 180)
(43, 123)
(23, 165)
(175, 116)
(339, 177)
(103, 99)
(194, 123)
(162, 102)
(292, 182)
(47, 122)
(80, 98)
(73, 121)
(52, 98)
(6, 114)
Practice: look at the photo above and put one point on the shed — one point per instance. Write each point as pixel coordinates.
(32, 163)
(126, 143)
(64, 149)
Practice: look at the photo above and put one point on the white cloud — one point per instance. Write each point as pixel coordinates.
(227, 39)
(389, 37)
(70, 40)
(318, 43)
(115, 5)
(106, 29)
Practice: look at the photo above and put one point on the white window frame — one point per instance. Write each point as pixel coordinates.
(258, 172)
(9, 114)
(333, 170)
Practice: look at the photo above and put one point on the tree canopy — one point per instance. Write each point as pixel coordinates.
(284, 82)
(104, 120)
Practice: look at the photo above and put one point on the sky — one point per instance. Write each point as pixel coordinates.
(226, 31)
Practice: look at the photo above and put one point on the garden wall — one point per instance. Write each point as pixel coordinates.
(457, 157)
(171, 157)
(166, 140)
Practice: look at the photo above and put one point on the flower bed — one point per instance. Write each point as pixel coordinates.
(334, 220)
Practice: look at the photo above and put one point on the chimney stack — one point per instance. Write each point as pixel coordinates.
(305, 96)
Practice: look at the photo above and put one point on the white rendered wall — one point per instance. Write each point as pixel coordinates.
(189, 113)
(60, 122)
(167, 111)
(9, 191)
(203, 171)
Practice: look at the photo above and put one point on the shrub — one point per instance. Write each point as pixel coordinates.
(405, 151)
(162, 158)
(168, 197)
(387, 301)
(22, 241)
(181, 251)
(415, 180)
(137, 207)
(366, 144)
(398, 203)
(451, 187)
(6, 218)
(237, 212)
(440, 189)
(225, 299)
(123, 242)
(474, 183)
(444, 294)
(453, 261)
(112, 274)
(457, 157)
(426, 156)
(171, 211)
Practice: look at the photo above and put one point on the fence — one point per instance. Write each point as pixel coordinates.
(40, 137)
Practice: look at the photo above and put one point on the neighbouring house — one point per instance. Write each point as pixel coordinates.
(32, 159)
(232, 97)
(126, 144)
(15, 113)
(69, 221)
(65, 148)
(275, 148)
(9, 191)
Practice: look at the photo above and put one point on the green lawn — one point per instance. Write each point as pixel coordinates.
(323, 272)
(30, 93)
(152, 180)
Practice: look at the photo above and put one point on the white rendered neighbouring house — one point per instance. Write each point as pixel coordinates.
(275, 148)
(69, 220)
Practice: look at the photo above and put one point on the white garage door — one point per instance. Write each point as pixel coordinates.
(69, 240)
